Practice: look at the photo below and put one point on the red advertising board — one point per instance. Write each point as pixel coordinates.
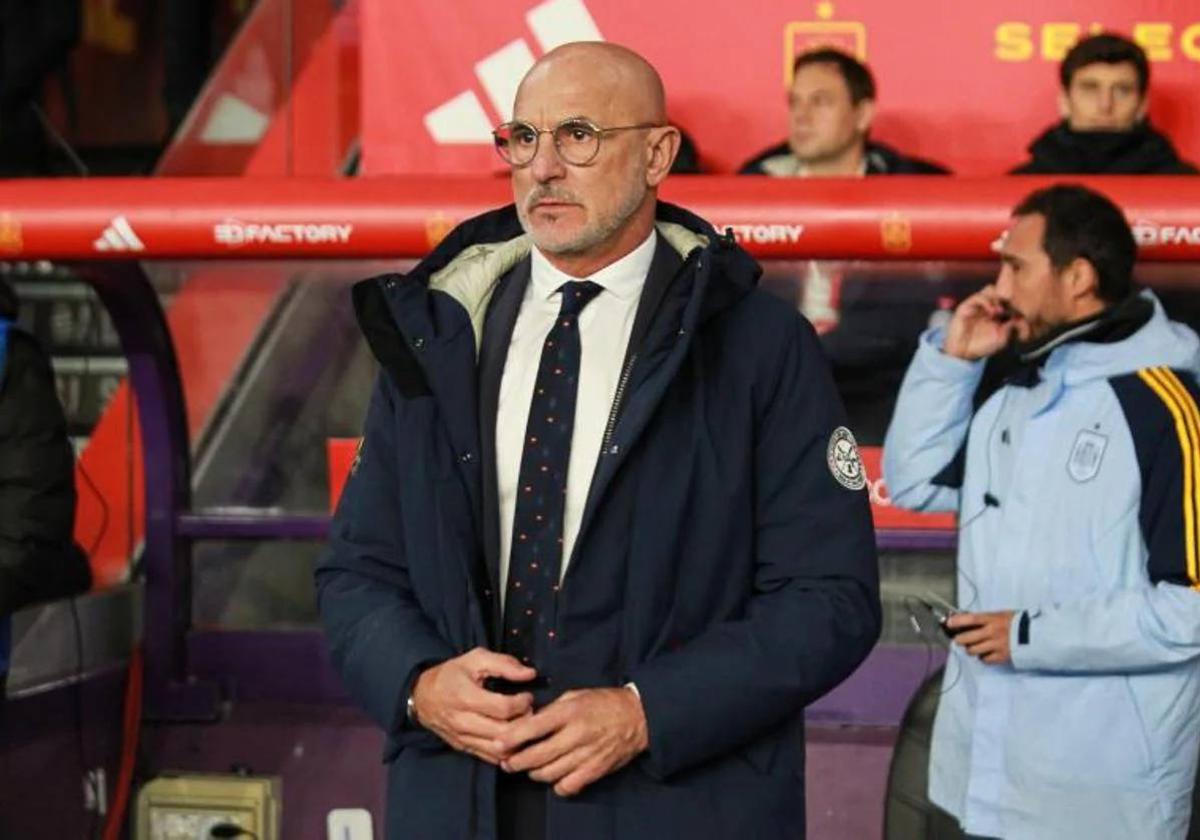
(968, 84)
(889, 517)
(773, 218)
(339, 455)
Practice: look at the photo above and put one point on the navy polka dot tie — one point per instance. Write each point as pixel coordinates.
(535, 559)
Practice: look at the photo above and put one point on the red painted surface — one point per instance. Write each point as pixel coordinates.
(217, 313)
(295, 62)
(340, 455)
(966, 83)
(253, 72)
(889, 517)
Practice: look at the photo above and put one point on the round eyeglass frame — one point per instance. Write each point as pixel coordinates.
(565, 125)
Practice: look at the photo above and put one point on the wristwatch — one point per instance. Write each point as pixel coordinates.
(410, 711)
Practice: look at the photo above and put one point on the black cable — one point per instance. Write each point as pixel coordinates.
(129, 482)
(104, 509)
(94, 824)
(60, 141)
(989, 502)
(80, 741)
(919, 629)
(93, 338)
(928, 638)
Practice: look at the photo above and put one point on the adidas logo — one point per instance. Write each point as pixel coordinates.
(462, 119)
(119, 236)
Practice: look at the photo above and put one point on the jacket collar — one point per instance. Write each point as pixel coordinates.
(469, 263)
(1142, 149)
(1113, 324)
(1133, 334)
(1023, 365)
(397, 314)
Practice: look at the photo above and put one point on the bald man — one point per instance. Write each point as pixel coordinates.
(607, 533)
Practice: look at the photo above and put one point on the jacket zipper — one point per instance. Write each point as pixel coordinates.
(618, 398)
(605, 449)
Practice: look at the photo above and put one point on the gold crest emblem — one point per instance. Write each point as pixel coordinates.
(896, 234)
(437, 228)
(11, 239)
(801, 36)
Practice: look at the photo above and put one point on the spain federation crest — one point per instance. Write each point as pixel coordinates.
(1086, 455)
(895, 232)
(11, 241)
(844, 461)
(801, 36)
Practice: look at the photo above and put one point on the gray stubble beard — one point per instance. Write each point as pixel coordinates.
(587, 238)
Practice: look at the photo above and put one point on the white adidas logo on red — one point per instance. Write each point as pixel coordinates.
(119, 236)
(462, 119)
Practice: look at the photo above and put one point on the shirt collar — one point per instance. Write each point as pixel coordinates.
(623, 278)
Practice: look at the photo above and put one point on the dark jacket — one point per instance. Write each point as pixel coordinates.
(719, 565)
(1141, 151)
(881, 160)
(38, 558)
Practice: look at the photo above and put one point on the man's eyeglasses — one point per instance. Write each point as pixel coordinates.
(576, 140)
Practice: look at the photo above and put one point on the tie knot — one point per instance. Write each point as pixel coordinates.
(576, 295)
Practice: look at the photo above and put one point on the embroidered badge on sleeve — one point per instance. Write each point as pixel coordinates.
(844, 461)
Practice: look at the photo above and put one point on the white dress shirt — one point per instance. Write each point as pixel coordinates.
(604, 328)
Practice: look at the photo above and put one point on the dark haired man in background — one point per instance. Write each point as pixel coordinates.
(831, 106)
(1057, 414)
(1104, 130)
(868, 323)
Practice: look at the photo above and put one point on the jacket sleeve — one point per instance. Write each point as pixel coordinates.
(39, 560)
(922, 453)
(379, 636)
(1124, 631)
(1155, 622)
(814, 613)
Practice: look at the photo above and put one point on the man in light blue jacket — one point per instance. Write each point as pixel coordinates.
(1057, 414)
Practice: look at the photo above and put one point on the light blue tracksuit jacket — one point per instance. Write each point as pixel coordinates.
(1079, 504)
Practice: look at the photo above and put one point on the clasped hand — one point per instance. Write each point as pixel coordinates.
(571, 743)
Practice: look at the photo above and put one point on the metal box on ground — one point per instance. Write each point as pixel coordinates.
(187, 807)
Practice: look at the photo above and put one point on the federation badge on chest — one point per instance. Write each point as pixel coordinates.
(844, 461)
(1086, 455)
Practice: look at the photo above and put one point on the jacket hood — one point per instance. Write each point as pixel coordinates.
(8, 301)
(501, 228)
(1161, 342)
(1142, 150)
(469, 263)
